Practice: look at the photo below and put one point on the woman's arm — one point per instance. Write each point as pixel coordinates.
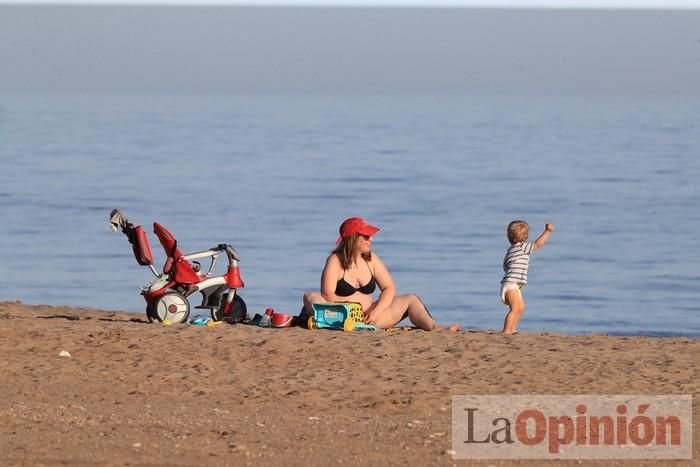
(386, 285)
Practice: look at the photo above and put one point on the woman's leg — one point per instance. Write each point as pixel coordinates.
(411, 307)
(309, 299)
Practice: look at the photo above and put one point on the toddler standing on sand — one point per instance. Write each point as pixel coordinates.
(515, 265)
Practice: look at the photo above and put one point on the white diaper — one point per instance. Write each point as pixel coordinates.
(506, 286)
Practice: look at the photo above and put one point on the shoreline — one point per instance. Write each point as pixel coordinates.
(134, 392)
(138, 315)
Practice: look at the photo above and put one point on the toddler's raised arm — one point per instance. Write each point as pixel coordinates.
(542, 239)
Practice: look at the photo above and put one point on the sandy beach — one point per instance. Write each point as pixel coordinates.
(134, 393)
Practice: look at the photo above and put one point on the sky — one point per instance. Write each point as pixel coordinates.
(223, 49)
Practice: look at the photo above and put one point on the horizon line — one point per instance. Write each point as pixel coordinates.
(481, 4)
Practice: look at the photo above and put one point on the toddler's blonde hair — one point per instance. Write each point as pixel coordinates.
(518, 231)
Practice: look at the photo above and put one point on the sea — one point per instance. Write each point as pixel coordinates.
(442, 176)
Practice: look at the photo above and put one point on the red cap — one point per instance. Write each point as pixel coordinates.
(355, 225)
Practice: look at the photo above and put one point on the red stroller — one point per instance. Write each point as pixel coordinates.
(167, 295)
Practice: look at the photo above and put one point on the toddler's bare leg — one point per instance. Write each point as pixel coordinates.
(516, 305)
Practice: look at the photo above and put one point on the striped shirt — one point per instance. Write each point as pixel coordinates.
(515, 263)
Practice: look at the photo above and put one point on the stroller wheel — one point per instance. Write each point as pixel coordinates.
(239, 310)
(172, 306)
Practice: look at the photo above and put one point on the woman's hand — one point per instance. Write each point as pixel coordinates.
(371, 314)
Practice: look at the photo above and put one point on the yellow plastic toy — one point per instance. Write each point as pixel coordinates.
(345, 316)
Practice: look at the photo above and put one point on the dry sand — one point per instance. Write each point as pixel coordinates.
(134, 393)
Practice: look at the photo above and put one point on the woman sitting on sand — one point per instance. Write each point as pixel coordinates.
(353, 272)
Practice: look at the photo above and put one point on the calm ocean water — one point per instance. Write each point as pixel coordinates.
(442, 177)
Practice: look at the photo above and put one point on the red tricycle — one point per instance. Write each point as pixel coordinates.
(167, 296)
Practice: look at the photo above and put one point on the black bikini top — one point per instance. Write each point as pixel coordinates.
(343, 289)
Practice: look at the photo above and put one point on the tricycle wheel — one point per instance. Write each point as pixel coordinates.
(239, 310)
(171, 306)
(150, 312)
